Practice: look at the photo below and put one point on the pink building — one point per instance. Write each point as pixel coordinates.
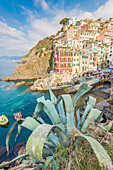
(101, 38)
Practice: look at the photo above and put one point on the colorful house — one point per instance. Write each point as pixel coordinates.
(63, 60)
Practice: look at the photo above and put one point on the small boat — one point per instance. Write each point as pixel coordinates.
(17, 116)
(4, 122)
(100, 87)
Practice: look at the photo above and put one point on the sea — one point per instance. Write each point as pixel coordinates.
(13, 100)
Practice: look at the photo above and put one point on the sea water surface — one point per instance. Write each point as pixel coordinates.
(15, 99)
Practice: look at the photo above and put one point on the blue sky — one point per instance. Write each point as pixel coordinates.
(24, 22)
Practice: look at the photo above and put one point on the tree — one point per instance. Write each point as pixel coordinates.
(64, 20)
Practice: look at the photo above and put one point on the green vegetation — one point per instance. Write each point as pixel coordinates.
(64, 20)
(45, 43)
(71, 142)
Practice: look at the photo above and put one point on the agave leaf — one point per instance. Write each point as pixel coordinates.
(18, 157)
(39, 107)
(9, 134)
(100, 152)
(108, 126)
(84, 88)
(48, 160)
(40, 120)
(69, 113)
(54, 165)
(38, 137)
(48, 144)
(89, 106)
(61, 112)
(25, 162)
(53, 138)
(93, 115)
(50, 110)
(47, 152)
(60, 106)
(53, 97)
(30, 123)
(78, 117)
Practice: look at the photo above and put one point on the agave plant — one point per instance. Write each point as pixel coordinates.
(45, 137)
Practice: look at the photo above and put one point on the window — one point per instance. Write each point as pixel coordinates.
(62, 65)
(62, 53)
(71, 58)
(77, 59)
(67, 59)
(62, 59)
(101, 52)
(71, 53)
(66, 53)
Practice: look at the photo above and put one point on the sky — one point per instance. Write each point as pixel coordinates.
(24, 22)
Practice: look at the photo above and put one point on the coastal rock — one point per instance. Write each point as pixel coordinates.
(20, 83)
(36, 63)
(53, 80)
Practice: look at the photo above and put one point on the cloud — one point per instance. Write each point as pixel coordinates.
(2, 18)
(19, 42)
(13, 42)
(43, 4)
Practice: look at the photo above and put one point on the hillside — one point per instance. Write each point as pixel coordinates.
(36, 63)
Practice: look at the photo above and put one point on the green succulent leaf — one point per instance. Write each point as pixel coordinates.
(89, 106)
(50, 110)
(69, 113)
(78, 117)
(53, 97)
(54, 165)
(18, 157)
(100, 152)
(30, 123)
(9, 134)
(84, 88)
(108, 126)
(38, 137)
(93, 115)
(48, 160)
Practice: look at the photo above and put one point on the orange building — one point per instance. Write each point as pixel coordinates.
(63, 60)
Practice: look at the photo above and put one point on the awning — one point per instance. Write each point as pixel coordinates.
(107, 71)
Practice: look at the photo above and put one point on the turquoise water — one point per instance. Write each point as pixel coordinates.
(14, 100)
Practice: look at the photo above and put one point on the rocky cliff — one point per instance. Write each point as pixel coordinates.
(36, 63)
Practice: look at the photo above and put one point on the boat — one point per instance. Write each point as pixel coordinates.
(100, 86)
(17, 116)
(4, 122)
